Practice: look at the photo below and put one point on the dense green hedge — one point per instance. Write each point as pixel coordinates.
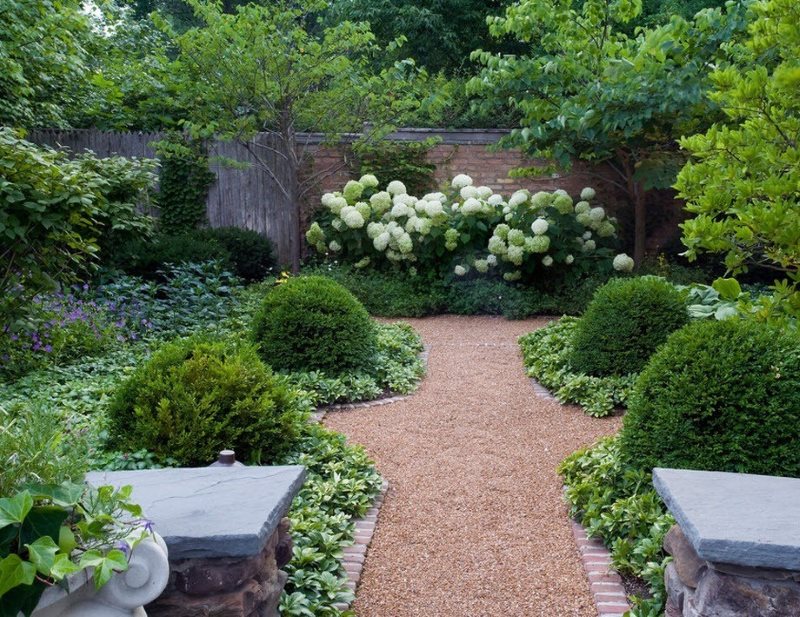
(719, 395)
(197, 396)
(624, 324)
(312, 323)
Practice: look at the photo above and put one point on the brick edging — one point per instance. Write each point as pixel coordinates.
(355, 555)
(605, 584)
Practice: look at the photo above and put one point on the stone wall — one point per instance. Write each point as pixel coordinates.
(230, 586)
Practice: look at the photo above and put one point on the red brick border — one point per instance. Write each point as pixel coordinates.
(354, 556)
(606, 585)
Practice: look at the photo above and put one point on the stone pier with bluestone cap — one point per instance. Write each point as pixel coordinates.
(736, 544)
(226, 531)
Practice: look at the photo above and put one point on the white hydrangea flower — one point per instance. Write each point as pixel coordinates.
(334, 246)
(405, 244)
(623, 263)
(420, 206)
(541, 199)
(589, 245)
(352, 190)
(395, 187)
(563, 203)
(539, 244)
(326, 199)
(364, 209)
(461, 180)
(337, 224)
(393, 255)
(455, 208)
(547, 260)
(411, 224)
(560, 192)
(495, 200)
(484, 192)
(352, 217)
(597, 214)
(606, 229)
(471, 206)
(512, 276)
(412, 271)
(497, 246)
(337, 203)
(424, 226)
(398, 210)
(382, 241)
(584, 219)
(587, 235)
(460, 270)
(491, 260)
(374, 230)
(515, 255)
(518, 198)
(569, 259)
(508, 217)
(315, 233)
(397, 232)
(516, 237)
(362, 263)
(482, 266)
(540, 226)
(468, 192)
(381, 201)
(582, 207)
(506, 209)
(435, 197)
(407, 199)
(588, 194)
(501, 231)
(433, 208)
(369, 181)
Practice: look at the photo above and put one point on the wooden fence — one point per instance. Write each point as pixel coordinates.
(241, 197)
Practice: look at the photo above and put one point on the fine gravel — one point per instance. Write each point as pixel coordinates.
(474, 523)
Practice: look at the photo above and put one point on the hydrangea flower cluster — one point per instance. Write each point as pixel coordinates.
(465, 229)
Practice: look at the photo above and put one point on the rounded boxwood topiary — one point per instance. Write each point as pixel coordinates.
(197, 396)
(719, 396)
(313, 323)
(624, 323)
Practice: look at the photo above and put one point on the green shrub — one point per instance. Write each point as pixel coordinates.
(720, 395)
(624, 323)
(251, 254)
(197, 396)
(148, 258)
(313, 323)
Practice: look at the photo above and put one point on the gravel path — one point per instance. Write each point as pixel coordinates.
(474, 523)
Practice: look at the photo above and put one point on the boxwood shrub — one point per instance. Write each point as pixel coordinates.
(719, 395)
(624, 324)
(197, 396)
(312, 323)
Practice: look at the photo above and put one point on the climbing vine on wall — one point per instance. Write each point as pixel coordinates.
(404, 161)
(184, 182)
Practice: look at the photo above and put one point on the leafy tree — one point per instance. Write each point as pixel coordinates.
(587, 90)
(262, 70)
(441, 33)
(742, 183)
(43, 61)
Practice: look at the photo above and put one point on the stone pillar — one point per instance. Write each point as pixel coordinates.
(736, 547)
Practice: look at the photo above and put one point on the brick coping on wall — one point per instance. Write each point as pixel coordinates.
(606, 586)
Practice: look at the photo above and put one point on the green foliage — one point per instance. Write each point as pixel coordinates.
(51, 531)
(183, 183)
(56, 213)
(150, 257)
(616, 502)
(197, 396)
(741, 184)
(341, 484)
(719, 395)
(546, 353)
(404, 161)
(251, 255)
(587, 90)
(624, 324)
(312, 323)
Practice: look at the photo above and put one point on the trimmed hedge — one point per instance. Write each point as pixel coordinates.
(197, 396)
(719, 395)
(312, 323)
(624, 324)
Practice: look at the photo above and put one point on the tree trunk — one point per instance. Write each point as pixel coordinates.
(637, 197)
(293, 189)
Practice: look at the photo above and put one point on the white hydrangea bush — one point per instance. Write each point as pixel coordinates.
(466, 230)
